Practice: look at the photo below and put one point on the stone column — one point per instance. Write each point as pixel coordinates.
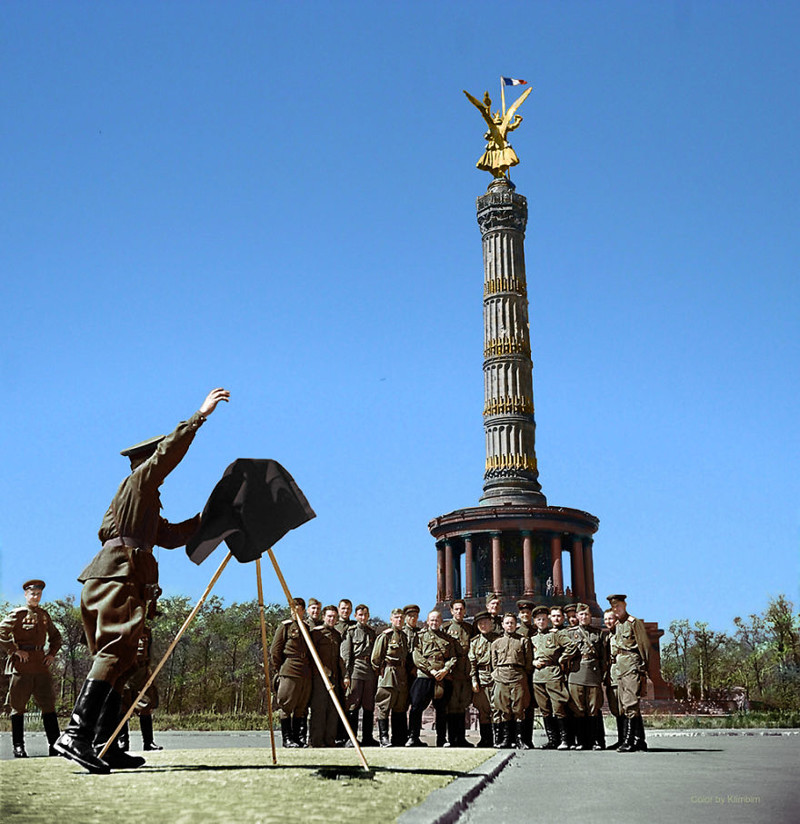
(588, 568)
(468, 584)
(527, 562)
(439, 573)
(497, 564)
(511, 475)
(558, 571)
(448, 570)
(578, 575)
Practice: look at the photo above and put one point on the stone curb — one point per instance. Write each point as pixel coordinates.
(445, 806)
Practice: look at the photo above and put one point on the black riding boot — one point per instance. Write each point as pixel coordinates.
(599, 728)
(18, 736)
(620, 720)
(146, 725)
(526, 733)
(399, 729)
(367, 725)
(414, 729)
(352, 718)
(50, 721)
(124, 738)
(300, 730)
(383, 732)
(551, 732)
(75, 742)
(569, 732)
(442, 727)
(107, 722)
(639, 744)
(584, 732)
(561, 724)
(287, 734)
(487, 739)
(628, 738)
(451, 721)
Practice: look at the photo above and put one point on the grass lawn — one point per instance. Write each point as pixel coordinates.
(235, 786)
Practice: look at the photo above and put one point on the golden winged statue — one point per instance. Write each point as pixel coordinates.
(499, 156)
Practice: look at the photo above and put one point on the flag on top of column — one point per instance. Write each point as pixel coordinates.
(513, 81)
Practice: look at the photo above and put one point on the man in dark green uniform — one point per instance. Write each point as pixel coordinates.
(526, 629)
(549, 658)
(390, 662)
(585, 680)
(462, 632)
(480, 670)
(31, 641)
(291, 663)
(411, 631)
(512, 662)
(360, 682)
(324, 717)
(559, 622)
(343, 619)
(632, 657)
(314, 617)
(435, 658)
(120, 584)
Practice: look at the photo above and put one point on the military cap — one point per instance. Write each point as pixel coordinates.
(410, 608)
(540, 610)
(34, 582)
(581, 607)
(143, 448)
(524, 603)
(397, 611)
(312, 601)
(612, 598)
(492, 596)
(482, 615)
(571, 608)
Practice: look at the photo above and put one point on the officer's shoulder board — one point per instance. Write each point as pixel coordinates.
(287, 622)
(388, 631)
(631, 619)
(318, 628)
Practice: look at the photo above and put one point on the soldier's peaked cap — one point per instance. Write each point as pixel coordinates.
(34, 582)
(143, 448)
(482, 615)
(524, 603)
(581, 607)
(410, 608)
(540, 610)
(491, 596)
(397, 611)
(612, 598)
(571, 608)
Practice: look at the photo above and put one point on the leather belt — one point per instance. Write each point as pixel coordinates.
(129, 542)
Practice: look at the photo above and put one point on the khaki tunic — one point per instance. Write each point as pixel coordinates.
(632, 656)
(290, 659)
(610, 643)
(461, 633)
(324, 717)
(434, 650)
(356, 654)
(550, 648)
(480, 670)
(390, 662)
(587, 670)
(30, 629)
(512, 661)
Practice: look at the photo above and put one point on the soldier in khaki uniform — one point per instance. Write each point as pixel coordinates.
(147, 703)
(291, 663)
(493, 605)
(480, 670)
(462, 632)
(314, 618)
(559, 622)
(412, 631)
(324, 717)
(512, 662)
(632, 657)
(526, 629)
(435, 658)
(570, 616)
(359, 677)
(610, 680)
(31, 641)
(552, 697)
(120, 586)
(390, 662)
(585, 680)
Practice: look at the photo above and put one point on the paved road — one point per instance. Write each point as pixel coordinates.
(684, 779)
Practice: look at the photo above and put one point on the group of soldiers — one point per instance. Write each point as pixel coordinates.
(29, 642)
(552, 658)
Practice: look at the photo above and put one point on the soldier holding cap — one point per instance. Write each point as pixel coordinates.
(632, 657)
(120, 587)
(290, 660)
(31, 641)
(390, 662)
(480, 668)
(462, 632)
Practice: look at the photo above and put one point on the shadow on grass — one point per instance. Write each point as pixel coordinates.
(323, 771)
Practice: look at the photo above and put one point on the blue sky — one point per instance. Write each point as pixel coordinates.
(280, 199)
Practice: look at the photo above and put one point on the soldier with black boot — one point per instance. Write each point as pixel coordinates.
(512, 661)
(462, 632)
(290, 660)
(390, 662)
(585, 681)
(480, 668)
(551, 694)
(610, 620)
(359, 677)
(118, 586)
(24, 635)
(632, 656)
(526, 629)
(147, 703)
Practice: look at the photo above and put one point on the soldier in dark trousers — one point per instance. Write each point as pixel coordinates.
(324, 717)
(512, 662)
(526, 629)
(435, 658)
(291, 662)
(462, 632)
(480, 670)
(549, 690)
(147, 703)
(360, 681)
(632, 657)
(559, 622)
(610, 679)
(412, 631)
(30, 640)
(119, 585)
(585, 680)
(343, 623)
(390, 662)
